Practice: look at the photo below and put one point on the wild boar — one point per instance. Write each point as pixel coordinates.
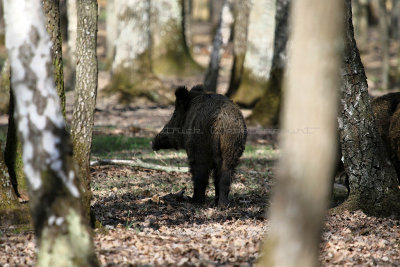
(212, 130)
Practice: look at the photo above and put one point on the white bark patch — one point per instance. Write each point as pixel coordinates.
(133, 38)
(29, 45)
(260, 39)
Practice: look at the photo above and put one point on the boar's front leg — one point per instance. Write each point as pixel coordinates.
(200, 174)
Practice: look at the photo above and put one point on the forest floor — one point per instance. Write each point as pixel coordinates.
(146, 217)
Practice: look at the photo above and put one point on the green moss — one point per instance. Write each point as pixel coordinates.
(250, 90)
(171, 56)
(266, 112)
(130, 84)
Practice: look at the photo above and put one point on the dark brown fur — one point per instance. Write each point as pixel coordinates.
(212, 130)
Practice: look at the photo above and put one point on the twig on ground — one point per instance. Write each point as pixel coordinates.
(138, 163)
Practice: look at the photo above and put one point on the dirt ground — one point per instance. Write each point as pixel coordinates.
(147, 219)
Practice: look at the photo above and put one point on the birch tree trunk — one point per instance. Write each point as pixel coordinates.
(266, 112)
(63, 237)
(241, 10)
(132, 72)
(259, 52)
(372, 178)
(52, 12)
(85, 94)
(307, 161)
(221, 38)
(170, 54)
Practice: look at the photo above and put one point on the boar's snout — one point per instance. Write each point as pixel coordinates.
(161, 141)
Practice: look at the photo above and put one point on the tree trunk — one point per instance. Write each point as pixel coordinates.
(11, 212)
(187, 22)
(266, 111)
(360, 20)
(170, 54)
(372, 178)
(111, 28)
(63, 237)
(259, 52)
(70, 71)
(241, 23)
(5, 87)
(13, 153)
(52, 12)
(85, 94)
(132, 74)
(307, 163)
(221, 38)
(385, 43)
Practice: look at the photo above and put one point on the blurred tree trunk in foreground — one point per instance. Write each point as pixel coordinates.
(259, 51)
(221, 38)
(170, 54)
(62, 236)
(306, 166)
(52, 12)
(266, 111)
(85, 94)
(241, 10)
(372, 178)
(132, 73)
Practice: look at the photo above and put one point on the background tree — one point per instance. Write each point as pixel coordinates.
(52, 12)
(241, 10)
(384, 18)
(307, 160)
(111, 28)
(170, 54)
(372, 178)
(85, 94)
(259, 52)
(63, 237)
(360, 20)
(266, 111)
(221, 38)
(132, 73)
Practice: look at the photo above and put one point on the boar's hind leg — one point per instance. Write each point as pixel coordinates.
(222, 181)
(200, 174)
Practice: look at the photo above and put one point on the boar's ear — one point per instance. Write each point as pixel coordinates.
(182, 96)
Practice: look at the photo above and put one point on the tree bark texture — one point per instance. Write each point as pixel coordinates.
(63, 237)
(241, 10)
(170, 54)
(11, 212)
(52, 12)
(260, 46)
(307, 160)
(221, 38)
(266, 112)
(5, 87)
(85, 94)
(372, 178)
(13, 153)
